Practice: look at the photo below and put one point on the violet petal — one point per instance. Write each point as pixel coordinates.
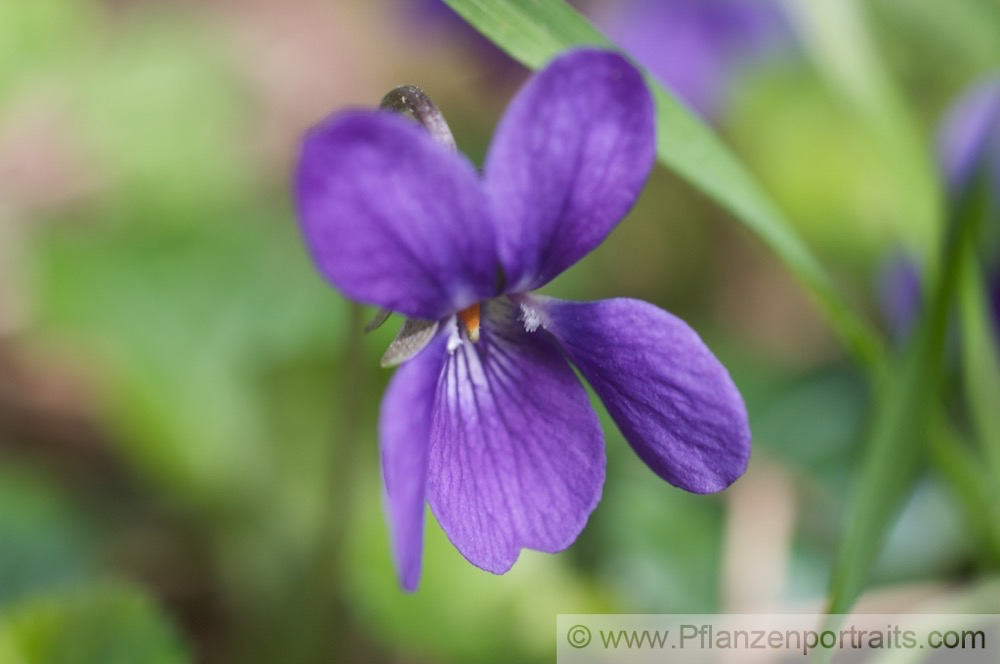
(968, 134)
(404, 437)
(900, 294)
(672, 399)
(567, 163)
(517, 453)
(393, 219)
(694, 46)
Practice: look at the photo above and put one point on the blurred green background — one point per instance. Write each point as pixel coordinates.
(188, 456)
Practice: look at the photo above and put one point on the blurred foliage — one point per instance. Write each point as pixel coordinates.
(234, 400)
(36, 36)
(107, 623)
(46, 542)
(137, 302)
(824, 166)
(659, 549)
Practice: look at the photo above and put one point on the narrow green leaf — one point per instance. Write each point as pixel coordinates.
(964, 473)
(533, 32)
(903, 415)
(888, 470)
(980, 365)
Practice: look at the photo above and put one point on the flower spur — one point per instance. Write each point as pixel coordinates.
(487, 422)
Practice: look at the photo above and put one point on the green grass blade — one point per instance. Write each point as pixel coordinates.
(534, 31)
(981, 365)
(964, 472)
(888, 470)
(902, 417)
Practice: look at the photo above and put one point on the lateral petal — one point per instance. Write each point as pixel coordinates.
(672, 399)
(404, 437)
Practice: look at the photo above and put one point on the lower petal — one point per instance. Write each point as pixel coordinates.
(517, 453)
(672, 399)
(404, 435)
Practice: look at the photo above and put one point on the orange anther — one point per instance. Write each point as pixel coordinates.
(470, 319)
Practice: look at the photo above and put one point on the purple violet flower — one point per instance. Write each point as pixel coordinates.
(969, 148)
(900, 294)
(969, 138)
(694, 46)
(488, 423)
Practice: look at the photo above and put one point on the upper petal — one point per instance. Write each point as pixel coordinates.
(517, 453)
(392, 218)
(568, 161)
(672, 399)
(404, 436)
